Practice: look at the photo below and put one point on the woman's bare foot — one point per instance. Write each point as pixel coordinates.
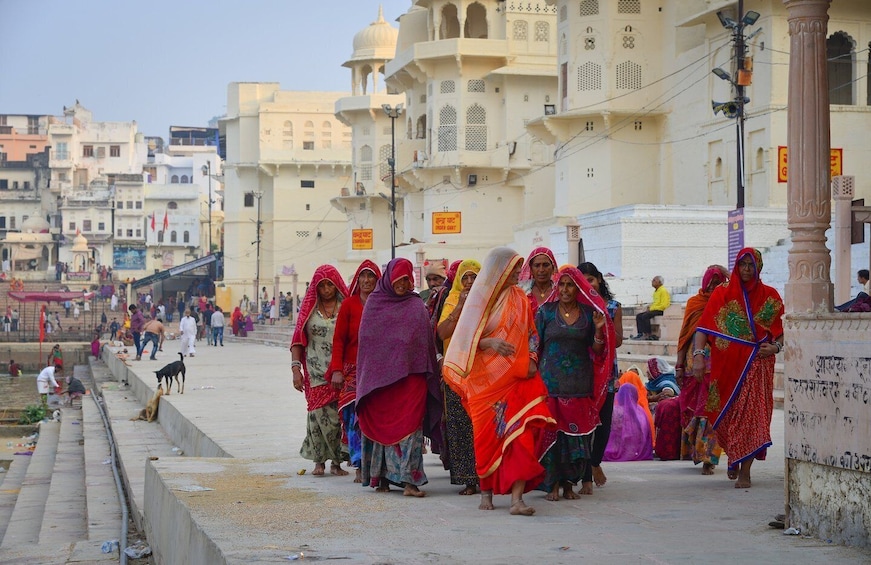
(552, 496)
(732, 474)
(319, 469)
(519, 508)
(486, 500)
(586, 488)
(468, 491)
(743, 479)
(599, 477)
(569, 493)
(412, 490)
(707, 469)
(383, 486)
(358, 476)
(336, 469)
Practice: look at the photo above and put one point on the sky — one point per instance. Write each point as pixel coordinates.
(168, 62)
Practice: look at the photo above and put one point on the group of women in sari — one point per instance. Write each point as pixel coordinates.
(514, 386)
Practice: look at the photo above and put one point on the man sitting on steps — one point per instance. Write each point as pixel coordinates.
(661, 301)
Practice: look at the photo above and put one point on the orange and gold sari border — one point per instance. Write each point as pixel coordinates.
(519, 431)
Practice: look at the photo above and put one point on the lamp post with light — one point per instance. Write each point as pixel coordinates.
(392, 112)
(207, 171)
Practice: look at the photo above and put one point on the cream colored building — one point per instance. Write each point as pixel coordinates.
(287, 157)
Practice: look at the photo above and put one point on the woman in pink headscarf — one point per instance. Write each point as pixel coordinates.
(538, 277)
(311, 350)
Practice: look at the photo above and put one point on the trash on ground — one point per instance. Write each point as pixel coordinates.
(109, 546)
(791, 532)
(107, 462)
(192, 488)
(137, 550)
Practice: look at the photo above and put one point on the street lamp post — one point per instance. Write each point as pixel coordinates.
(258, 195)
(207, 171)
(392, 113)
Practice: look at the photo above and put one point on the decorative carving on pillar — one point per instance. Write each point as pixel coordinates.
(808, 207)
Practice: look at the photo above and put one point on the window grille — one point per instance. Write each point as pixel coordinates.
(628, 6)
(589, 77)
(447, 87)
(476, 85)
(628, 76)
(476, 128)
(447, 129)
(521, 30)
(542, 31)
(589, 8)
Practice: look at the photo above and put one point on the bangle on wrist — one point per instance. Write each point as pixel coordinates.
(676, 367)
(296, 364)
(699, 352)
(598, 340)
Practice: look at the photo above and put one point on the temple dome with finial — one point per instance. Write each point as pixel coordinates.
(80, 243)
(376, 41)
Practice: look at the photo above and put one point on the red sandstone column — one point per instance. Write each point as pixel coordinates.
(808, 210)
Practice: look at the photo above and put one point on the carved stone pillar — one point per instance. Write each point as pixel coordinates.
(808, 209)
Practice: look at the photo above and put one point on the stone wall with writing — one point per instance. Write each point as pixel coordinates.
(828, 424)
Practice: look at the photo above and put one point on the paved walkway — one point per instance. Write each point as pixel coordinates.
(261, 509)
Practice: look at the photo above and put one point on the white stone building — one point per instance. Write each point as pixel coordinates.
(287, 156)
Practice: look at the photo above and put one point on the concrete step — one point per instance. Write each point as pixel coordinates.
(104, 510)
(9, 489)
(26, 520)
(64, 518)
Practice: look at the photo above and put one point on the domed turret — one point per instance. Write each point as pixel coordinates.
(376, 41)
(80, 243)
(35, 224)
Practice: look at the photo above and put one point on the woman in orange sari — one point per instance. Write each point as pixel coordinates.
(491, 363)
(743, 325)
(698, 440)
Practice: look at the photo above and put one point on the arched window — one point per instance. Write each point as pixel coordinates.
(173, 237)
(628, 75)
(186, 237)
(365, 163)
(172, 205)
(160, 236)
(476, 21)
(365, 73)
(421, 127)
(542, 32)
(447, 129)
(174, 179)
(450, 27)
(839, 53)
(521, 30)
(184, 179)
(476, 128)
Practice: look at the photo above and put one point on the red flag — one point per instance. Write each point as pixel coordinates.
(152, 220)
(165, 220)
(42, 324)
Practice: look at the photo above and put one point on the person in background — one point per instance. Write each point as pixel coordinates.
(218, 323)
(187, 329)
(661, 301)
(75, 389)
(55, 356)
(137, 321)
(46, 382)
(435, 277)
(154, 333)
(14, 368)
(538, 277)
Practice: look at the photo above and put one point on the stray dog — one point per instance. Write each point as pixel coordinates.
(149, 413)
(174, 369)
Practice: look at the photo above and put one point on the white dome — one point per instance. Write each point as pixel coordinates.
(80, 243)
(35, 224)
(377, 41)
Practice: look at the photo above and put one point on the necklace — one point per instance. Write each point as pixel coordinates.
(544, 294)
(566, 311)
(332, 312)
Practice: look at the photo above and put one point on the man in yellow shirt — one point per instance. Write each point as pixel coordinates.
(661, 301)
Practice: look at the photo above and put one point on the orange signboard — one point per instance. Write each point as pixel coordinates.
(836, 159)
(447, 222)
(361, 239)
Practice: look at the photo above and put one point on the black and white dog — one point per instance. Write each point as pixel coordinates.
(174, 369)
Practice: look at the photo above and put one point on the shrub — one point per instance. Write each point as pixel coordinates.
(32, 413)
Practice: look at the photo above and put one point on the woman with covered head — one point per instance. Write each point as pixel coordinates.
(538, 276)
(459, 456)
(343, 366)
(397, 383)
(311, 350)
(698, 440)
(492, 364)
(742, 324)
(577, 363)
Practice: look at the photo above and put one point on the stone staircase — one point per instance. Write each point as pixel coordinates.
(278, 335)
(60, 504)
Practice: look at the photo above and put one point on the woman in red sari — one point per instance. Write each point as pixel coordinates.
(343, 366)
(311, 350)
(743, 325)
(538, 277)
(492, 364)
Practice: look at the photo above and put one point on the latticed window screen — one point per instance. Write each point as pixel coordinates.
(301, 233)
(366, 171)
(542, 31)
(521, 30)
(589, 76)
(628, 75)
(383, 165)
(628, 42)
(476, 128)
(448, 129)
(476, 85)
(447, 86)
(628, 6)
(365, 163)
(589, 8)
(366, 154)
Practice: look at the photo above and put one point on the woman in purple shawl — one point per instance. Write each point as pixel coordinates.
(630, 438)
(396, 369)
